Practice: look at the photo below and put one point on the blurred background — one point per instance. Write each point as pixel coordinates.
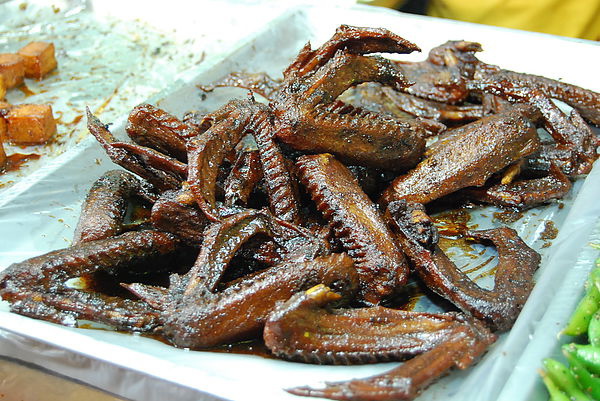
(572, 18)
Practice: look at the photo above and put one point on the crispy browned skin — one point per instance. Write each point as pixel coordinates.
(357, 223)
(353, 40)
(498, 307)
(176, 212)
(570, 132)
(208, 150)
(155, 159)
(279, 181)
(434, 82)
(314, 81)
(307, 328)
(251, 265)
(222, 240)
(104, 208)
(280, 241)
(153, 127)
(470, 155)
(524, 194)
(408, 380)
(444, 75)
(462, 341)
(37, 287)
(587, 102)
(160, 170)
(445, 113)
(208, 320)
(371, 97)
(538, 164)
(243, 178)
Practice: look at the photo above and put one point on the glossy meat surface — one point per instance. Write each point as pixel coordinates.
(372, 140)
(463, 342)
(498, 307)
(103, 211)
(318, 77)
(153, 127)
(208, 320)
(159, 170)
(208, 150)
(243, 178)
(307, 328)
(257, 207)
(523, 194)
(586, 102)
(468, 157)
(357, 223)
(38, 286)
(176, 212)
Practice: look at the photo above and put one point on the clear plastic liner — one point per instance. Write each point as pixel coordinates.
(42, 218)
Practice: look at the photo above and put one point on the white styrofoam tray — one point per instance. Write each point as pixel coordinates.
(42, 218)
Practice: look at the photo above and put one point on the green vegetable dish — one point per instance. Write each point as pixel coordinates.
(579, 378)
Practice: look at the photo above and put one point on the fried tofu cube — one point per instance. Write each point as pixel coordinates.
(39, 59)
(2, 87)
(12, 68)
(30, 124)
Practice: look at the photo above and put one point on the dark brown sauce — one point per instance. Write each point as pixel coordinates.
(452, 223)
(479, 267)
(255, 347)
(461, 243)
(508, 216)
(414, 293)
(76, 119)
(467, 250)
(16, 160)
(491, 272)
(101, 108)
(26, 91)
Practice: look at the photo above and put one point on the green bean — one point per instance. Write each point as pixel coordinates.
(553, 390)
(564, 379)
(587, 354)
(594, 330)
(589, 304)
(587, 382)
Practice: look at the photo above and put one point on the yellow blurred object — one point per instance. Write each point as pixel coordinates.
(383, 3)
(574, 18)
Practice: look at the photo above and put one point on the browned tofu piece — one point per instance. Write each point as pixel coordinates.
(30, 124)
(39, 59)
(12, 68)
(2, 158)
(2, 87)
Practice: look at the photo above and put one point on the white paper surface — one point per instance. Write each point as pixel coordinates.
(43, 216)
